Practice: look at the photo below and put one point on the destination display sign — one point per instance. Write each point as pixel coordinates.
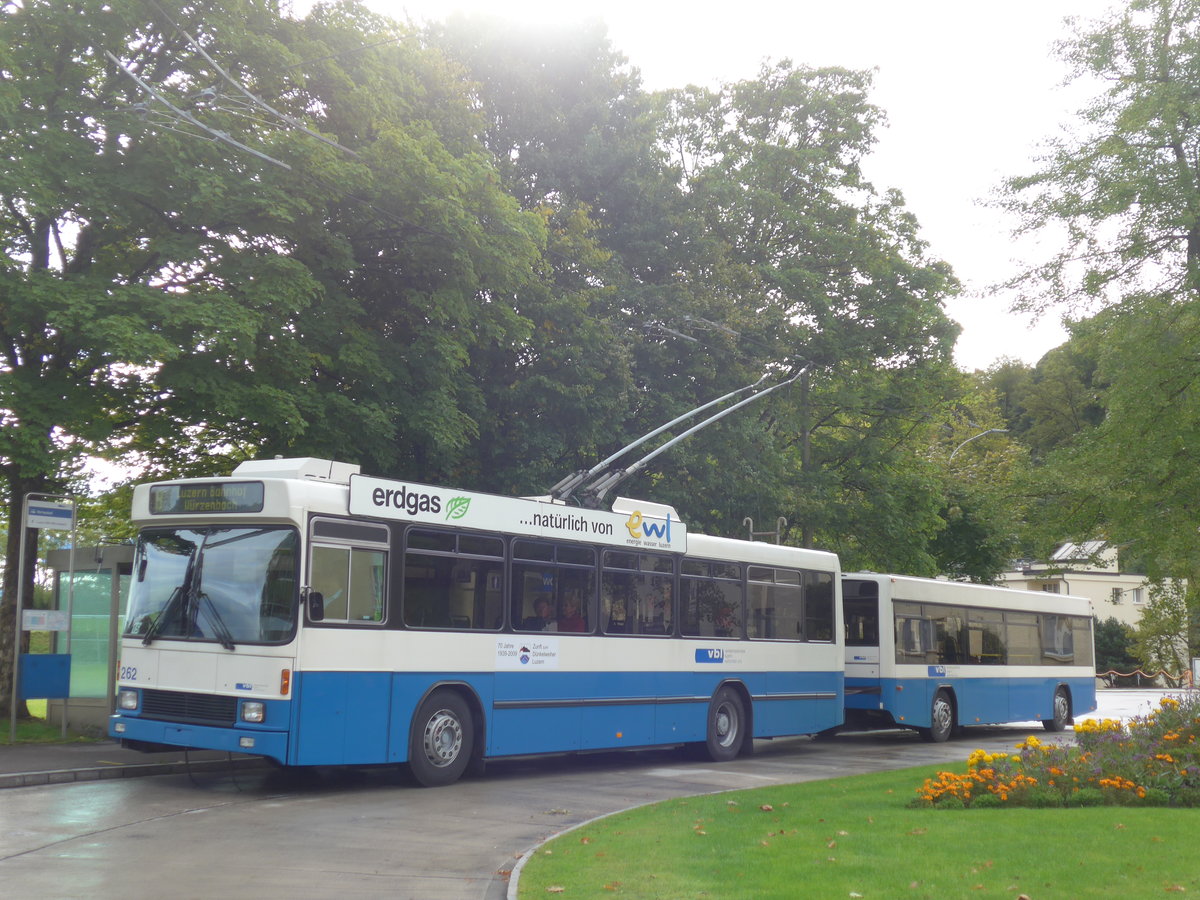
(641, 530)
(206, 497)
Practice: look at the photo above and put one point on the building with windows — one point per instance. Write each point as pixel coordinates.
(1092, 570)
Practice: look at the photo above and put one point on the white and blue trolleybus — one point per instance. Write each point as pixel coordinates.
(310, 614)
(936, 655)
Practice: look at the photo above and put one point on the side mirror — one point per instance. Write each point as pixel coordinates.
(316, 606)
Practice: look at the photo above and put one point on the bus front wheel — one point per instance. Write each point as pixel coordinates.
(941, 719)
(726, 725)
(1061, 712)
(443, 736)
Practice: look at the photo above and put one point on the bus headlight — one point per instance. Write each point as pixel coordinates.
(253, 711)
(127, 699)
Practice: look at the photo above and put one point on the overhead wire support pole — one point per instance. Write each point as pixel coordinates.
(569, 484)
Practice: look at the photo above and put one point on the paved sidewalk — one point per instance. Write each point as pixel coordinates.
(24, 765)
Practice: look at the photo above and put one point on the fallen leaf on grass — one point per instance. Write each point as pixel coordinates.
(767, 807)
(555, 889)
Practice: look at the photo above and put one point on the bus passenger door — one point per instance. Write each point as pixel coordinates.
(860, 606)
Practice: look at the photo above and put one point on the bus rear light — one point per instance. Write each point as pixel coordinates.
(285, 682)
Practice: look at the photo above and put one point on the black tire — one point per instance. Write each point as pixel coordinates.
(443, 737)
(726, 730)
(941, 718)
(1060, 716)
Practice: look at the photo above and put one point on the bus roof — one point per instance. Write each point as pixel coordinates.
(939, 590)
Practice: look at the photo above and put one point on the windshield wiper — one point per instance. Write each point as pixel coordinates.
(183, 595)
(165, 612)
(223, 634)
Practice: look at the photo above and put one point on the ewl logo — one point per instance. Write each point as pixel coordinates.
(709, 655)
(639, 528)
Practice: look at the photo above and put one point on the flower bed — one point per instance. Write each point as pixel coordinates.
(1154, 760)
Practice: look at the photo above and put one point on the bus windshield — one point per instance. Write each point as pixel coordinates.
(228, 585)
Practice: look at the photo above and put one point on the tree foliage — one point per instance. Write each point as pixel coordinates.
(473, 255)
(207, 275)
(1124, 187)
(1115, 646)
(828, 275)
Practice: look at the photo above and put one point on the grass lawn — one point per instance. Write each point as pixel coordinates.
(854, 837)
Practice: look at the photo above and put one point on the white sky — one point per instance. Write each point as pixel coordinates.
(970, 90)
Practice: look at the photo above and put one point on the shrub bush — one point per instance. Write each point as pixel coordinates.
(1152, 761)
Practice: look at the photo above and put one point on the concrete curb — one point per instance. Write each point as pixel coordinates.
(120, 770)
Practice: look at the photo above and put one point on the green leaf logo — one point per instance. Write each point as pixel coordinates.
(457, 507)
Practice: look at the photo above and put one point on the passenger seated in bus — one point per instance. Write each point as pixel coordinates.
(543, 618)
(723, 623)
(616, 616)
(569, 618)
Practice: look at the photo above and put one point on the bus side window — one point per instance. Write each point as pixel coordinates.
(351, 580)
(331, 578)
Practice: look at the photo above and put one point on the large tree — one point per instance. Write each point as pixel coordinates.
(821, 272)
(1120, 191)
(226, 230)
(707, 237)
(1123, 187)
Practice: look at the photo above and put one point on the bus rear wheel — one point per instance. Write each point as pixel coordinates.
(726, 730)
(443, 736)
(941, 719)
(1060, 711)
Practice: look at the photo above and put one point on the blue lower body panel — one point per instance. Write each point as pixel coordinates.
(365, 718)
(978, 701)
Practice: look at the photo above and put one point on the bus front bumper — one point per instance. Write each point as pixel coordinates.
(138, 731)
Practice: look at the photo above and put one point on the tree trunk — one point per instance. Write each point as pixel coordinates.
(10, 632)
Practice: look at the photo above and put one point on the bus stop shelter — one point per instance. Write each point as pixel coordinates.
(97, 617)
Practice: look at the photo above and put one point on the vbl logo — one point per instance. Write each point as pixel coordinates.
(707, 655)
(937, 671)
